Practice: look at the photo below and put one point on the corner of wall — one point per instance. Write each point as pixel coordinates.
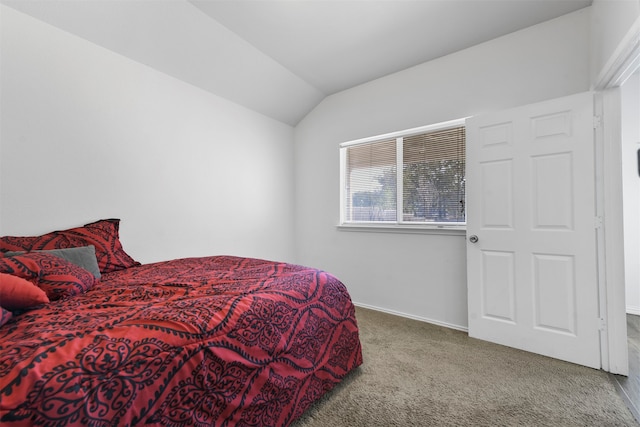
(615, 35)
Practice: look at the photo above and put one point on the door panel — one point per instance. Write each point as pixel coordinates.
(554, 286)
(497, 205)
(498, 286)
(552, 197)
(532, 278)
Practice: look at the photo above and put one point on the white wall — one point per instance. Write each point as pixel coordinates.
(630, 99)
(419, 275)
(89, 134)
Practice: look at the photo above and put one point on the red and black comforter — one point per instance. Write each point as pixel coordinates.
(216, 341)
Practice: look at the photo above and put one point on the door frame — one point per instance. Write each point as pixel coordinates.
(622, 64)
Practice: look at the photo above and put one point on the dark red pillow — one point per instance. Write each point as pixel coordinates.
(57, 277)
(17, 293)
(103, 234)
(21, 266)
(5, 316)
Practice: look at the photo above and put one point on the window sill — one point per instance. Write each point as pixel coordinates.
(452, 230)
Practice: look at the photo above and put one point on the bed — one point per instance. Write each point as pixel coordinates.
(101, 340)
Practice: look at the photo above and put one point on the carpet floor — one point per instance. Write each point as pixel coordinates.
(419, 374)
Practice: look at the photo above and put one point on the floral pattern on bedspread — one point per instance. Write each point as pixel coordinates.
(215, 341)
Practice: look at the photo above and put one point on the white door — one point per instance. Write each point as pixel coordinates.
(532, 278)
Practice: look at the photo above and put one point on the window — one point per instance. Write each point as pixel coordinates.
(415, 177)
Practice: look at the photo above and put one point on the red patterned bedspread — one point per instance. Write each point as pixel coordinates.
(217, 341)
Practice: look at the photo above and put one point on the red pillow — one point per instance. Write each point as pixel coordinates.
(5, 316)
(17, 293)
(57, 277)
(103, 234)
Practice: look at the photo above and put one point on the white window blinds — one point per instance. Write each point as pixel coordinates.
(433, 176)
(371, 182)
(431, 185)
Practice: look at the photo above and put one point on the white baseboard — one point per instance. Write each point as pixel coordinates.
(633, 310)
(411, 316)
(630, 310)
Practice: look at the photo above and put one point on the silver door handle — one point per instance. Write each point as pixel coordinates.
(473, 238)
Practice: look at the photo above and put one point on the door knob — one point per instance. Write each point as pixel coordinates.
(473, 238)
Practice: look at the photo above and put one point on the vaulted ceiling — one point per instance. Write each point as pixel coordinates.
(282, 57)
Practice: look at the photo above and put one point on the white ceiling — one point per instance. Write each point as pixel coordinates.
(282, 57)
(335, 45)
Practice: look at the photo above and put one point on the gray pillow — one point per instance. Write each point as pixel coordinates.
(82, 256)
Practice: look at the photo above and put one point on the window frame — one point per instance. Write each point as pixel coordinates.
(398, 226)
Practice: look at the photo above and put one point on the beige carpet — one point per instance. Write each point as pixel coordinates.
(418, 374)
